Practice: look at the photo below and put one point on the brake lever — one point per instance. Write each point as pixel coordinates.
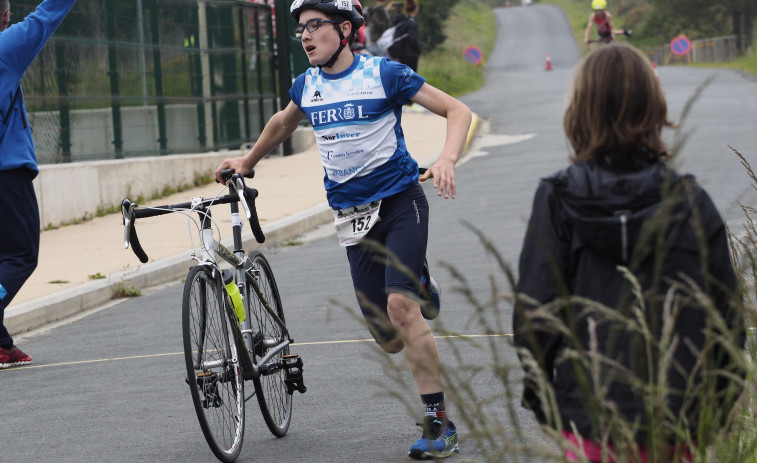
(239, 186)
(127, 210)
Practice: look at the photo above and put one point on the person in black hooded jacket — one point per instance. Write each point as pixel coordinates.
(407, 48)
(620, 249)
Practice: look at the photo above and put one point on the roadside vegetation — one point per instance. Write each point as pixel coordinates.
(470, 24)
(656, 22)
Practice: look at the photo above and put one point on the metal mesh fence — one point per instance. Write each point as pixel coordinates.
(125, 78)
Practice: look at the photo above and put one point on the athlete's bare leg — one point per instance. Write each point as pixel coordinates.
(418, 341)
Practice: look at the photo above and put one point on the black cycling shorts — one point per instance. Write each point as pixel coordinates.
(390, 258)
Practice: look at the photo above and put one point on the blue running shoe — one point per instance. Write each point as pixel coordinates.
(430, 290)
(438, 440)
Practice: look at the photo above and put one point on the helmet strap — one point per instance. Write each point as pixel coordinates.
(342, 43)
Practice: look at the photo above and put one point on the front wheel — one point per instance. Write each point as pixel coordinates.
(275, 402)
(213, 373)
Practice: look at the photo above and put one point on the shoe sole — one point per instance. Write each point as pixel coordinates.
(429, 309)
(417, 454)
(15, 364)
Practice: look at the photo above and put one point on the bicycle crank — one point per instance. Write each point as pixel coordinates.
(208, 383)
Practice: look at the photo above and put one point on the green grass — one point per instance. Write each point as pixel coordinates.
(121, 290)
(471, 23)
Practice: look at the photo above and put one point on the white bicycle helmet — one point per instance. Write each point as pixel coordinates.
(344, 8)
(351, 11)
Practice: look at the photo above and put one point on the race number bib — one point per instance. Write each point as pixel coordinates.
(353, 223)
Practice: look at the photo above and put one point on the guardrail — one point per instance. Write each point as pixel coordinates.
(711, 50)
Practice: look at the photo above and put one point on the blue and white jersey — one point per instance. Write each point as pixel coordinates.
(356, 116)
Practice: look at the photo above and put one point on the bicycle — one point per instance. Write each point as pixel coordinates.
(228, 341)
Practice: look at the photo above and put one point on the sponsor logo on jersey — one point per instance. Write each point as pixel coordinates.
(340, 136)
(353, 92)
(332, 155)
(328, 116)
(407, 75)
(316, 97)
(346, 172)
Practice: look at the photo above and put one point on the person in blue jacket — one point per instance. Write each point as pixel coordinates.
(20, 43)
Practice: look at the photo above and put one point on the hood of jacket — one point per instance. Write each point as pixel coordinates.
(606, 207)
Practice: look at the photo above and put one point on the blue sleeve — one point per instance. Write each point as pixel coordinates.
(23, 41)
(295, 93)
(400, 82)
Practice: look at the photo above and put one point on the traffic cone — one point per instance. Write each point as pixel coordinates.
(549, 63)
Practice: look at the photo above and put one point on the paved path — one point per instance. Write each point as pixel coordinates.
(110, 386)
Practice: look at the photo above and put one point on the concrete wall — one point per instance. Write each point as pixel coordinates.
(67, 192)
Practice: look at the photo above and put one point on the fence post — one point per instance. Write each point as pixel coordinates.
(115, 99)
(228, 123)
(283, 60)
(64, 109)
(192, 47)
(158, 70)
(244, 71)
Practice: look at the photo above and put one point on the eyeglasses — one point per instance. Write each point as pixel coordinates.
(312, 26)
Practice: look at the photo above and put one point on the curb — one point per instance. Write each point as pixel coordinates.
(46, 310)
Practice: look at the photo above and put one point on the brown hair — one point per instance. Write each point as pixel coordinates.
(617, 109)
(410, 6)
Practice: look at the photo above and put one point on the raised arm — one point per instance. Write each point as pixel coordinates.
(23, 41)
(458, 123)
(589, 25)
(280, 126)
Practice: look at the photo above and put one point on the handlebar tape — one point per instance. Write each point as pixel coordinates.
(249, 195)
(227, 173)
(135, 246)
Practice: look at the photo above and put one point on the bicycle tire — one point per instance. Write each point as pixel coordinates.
(213, 372)
(274, 400)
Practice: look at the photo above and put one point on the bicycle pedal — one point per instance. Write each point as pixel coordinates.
(293, 378)
(208, 384)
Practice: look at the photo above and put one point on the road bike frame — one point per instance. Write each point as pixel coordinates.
(218, 364)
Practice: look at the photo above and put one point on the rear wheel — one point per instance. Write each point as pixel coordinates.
(275, 402)
(213, 374)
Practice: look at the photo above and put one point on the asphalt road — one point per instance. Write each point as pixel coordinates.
(110, 386)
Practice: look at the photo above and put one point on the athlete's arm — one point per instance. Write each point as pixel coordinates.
(589, 25)
(609, 23)
(280, 126)
(458, 123)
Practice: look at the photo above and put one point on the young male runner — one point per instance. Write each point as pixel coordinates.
(354, 103)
